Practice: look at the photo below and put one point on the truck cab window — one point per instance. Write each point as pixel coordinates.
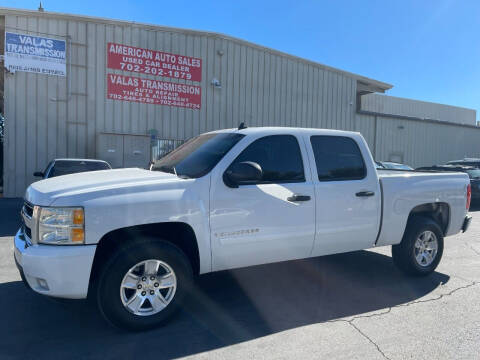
(337, 158)
(279, 157)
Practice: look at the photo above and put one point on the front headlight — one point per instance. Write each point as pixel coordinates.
(61, 226)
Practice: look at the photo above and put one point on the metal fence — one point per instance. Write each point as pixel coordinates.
(161, 147)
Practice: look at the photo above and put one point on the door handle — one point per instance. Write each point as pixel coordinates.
(297, 197)
(365, 193)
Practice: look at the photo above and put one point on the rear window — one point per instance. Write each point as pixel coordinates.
(65, 167)
(338, 158)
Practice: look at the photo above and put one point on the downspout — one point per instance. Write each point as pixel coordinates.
(375, 137)
(69, 73)
(360, 112)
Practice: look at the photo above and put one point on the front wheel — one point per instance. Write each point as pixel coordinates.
(421, 248)
(143, 284)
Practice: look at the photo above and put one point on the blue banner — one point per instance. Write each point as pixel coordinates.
(37, 54)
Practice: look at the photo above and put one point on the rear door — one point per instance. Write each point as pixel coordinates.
(261, 222)
(347, 192)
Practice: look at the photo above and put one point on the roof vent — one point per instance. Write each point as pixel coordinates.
(40, 7)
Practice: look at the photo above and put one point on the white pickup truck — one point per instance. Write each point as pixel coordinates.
(133, 239)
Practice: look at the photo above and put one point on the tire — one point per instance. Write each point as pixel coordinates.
(407, 255)
(133, 266)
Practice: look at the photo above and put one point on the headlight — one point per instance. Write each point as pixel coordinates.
(61, 226)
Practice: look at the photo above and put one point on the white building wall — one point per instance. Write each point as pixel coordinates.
(417, 142)
(420, 109)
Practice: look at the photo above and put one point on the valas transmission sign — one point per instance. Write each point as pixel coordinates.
(35, 54)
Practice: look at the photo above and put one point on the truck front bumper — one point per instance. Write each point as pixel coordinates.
(60, 271)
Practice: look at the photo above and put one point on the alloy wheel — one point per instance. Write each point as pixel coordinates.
(148, 287)
(426, 248)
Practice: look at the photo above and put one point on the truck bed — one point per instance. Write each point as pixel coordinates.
(404, 190)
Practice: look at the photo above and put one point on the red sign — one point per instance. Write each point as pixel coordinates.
(147, 91)
(151, 62)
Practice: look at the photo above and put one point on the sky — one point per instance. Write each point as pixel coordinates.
(428, 50)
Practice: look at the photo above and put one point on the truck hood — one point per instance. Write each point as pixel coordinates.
(73, 189)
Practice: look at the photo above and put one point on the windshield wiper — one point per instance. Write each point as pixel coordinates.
(171, 170)
(166, 169)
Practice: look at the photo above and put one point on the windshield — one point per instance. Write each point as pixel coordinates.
(474, 174)
(197, 156)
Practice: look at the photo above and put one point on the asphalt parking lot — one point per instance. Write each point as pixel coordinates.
(352, 306)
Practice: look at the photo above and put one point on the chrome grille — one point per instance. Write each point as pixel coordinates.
(27, 209)
(28, 221)
(28, 232)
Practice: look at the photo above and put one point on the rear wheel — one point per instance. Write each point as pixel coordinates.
(143, 284)
(421, 248)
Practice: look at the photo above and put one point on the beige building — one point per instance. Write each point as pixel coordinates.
(125, 92)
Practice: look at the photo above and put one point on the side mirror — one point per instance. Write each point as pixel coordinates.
(243, 172)
(38, 174)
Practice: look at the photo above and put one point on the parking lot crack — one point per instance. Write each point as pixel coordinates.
(473, 249)
(388, 310)
(368, 338)
(441, 296)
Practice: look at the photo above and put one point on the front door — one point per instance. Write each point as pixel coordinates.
(262, 222)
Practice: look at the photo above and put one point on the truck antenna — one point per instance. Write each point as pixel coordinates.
(242, 126)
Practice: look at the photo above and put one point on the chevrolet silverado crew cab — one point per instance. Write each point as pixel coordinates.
(134, 239)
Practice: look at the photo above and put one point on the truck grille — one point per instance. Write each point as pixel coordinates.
(28, 232)
(28, 209)
(27, 214)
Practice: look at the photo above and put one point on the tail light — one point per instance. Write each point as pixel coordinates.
(469, 195)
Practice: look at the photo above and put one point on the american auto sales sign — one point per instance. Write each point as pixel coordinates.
(152, 62)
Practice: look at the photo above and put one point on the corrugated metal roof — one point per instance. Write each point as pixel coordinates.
(372, 84)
